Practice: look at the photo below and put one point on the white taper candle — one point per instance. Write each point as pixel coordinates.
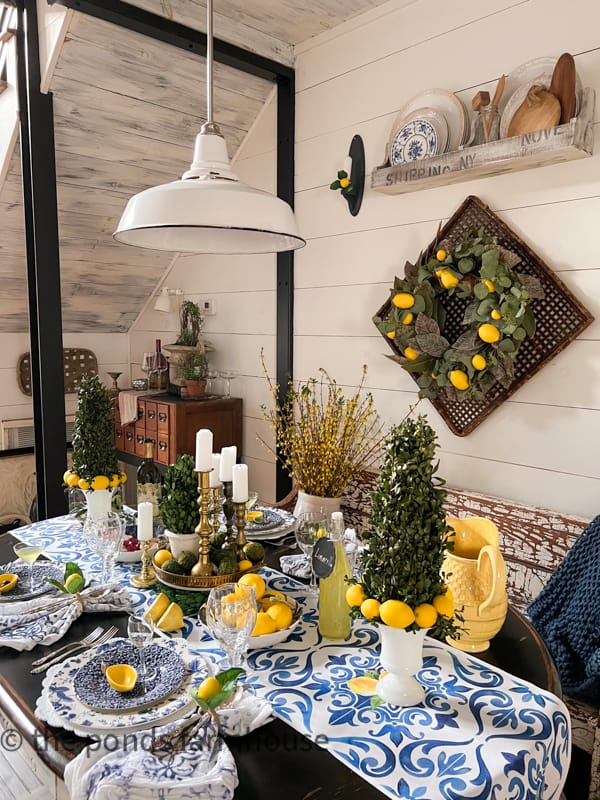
(204, 446)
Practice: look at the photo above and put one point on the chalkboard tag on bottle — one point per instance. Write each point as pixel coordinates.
(323, 558)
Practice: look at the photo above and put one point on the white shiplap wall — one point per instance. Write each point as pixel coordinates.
(244, 291)
(540, 447)
(111, 350)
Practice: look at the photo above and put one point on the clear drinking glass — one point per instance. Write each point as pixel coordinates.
(228, 375)
(147, 365)
(29, 553)
(311, 525)
(210, 377)
(105, 535)
(230, 618)
(140, 631)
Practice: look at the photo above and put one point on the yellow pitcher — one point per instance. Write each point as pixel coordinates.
(476, 574)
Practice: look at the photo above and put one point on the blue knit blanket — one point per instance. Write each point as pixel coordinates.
(567, 615)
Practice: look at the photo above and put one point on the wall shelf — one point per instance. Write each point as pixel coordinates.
(567, 142)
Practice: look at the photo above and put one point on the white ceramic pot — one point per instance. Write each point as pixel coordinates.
(178, 542)
(312, 502)
(99, 503)
(402, 657)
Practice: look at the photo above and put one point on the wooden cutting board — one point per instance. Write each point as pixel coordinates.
(562, 86)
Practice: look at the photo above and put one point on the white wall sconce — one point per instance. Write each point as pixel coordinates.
(164, 301)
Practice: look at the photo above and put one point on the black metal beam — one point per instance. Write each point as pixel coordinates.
(286, 118)
(43, 267)
(174, 33)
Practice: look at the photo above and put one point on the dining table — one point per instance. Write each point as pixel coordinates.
(490, 721)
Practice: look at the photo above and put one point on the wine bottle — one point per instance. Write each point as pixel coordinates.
(149, 480)
(159, 375)
(334, 611)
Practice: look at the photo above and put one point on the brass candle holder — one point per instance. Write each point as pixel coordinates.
(240, 524)
(147, 576)
(216, 495)
(204, 527)
(228, 508)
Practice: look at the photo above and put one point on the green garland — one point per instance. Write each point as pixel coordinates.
(498, 317)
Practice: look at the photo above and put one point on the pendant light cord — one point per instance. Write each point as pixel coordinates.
(209, 62)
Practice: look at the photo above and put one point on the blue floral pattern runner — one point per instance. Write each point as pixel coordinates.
(482, 734)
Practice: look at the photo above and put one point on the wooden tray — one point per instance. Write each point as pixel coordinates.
(196, 583)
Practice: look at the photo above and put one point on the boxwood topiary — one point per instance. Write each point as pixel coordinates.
(179, 502)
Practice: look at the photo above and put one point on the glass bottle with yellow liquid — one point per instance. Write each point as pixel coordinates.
(331, 565)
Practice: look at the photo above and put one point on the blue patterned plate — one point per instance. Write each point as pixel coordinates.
(270, 519)
(40, 571)
(92, 689)
(416, 140)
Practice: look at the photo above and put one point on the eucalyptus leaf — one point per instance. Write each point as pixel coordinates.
(506, 346)
(465, 265)
(480, 291)
(528, 323)
(519, 334)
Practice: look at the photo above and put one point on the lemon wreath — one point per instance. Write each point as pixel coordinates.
(497, 317)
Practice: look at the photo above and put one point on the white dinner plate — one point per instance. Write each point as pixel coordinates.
(445, 103)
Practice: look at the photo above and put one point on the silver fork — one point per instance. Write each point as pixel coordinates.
(87, 640)
(101, 640)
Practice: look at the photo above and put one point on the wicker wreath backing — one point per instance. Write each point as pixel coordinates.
(77, 363)
(559, 316)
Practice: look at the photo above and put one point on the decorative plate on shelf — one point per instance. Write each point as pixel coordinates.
(443, 103)
(40, 571)
(93, 690)
(415, 140)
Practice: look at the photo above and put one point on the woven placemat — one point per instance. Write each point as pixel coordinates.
(559, 316)
(77, 363)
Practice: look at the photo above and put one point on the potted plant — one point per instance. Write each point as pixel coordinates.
(95, 467)
(323, 438)
(193, 368)
(190, 324)
(179, 506)
(402, 585)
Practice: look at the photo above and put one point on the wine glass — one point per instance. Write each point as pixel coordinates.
(29, 553)
(230, 619)
(105, 535)
(228, 375)
(210, 377)
(140, 631)
(311, 526)
(251, 502)
(147, 366)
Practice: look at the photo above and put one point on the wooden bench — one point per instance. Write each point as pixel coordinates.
(533, 542)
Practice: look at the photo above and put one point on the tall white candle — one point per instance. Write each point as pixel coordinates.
(228, 459)
(204, 446)
(240, 483)
(144, 521)
(214, 475)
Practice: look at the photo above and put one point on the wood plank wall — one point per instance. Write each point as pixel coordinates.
(540, 447)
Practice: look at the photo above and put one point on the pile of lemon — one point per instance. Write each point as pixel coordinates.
(398, 614)
(274, 612)
(98, 483)
(166, 616)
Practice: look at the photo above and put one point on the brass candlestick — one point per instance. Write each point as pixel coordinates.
(240, 524)
(215, 509)
(228, 508)
(204, 528)
(146, 577)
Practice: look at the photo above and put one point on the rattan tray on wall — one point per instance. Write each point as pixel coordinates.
(77, 363)
(560, 317)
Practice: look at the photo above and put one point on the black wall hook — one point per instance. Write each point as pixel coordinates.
(357, 175)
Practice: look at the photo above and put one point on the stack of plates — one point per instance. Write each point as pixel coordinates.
(538, 71)
(432, 122)
(276, 524)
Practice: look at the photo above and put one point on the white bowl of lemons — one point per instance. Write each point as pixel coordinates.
(278, 615)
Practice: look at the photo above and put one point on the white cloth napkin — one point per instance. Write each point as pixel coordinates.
(182, 760)
(298, 566)
(128, 406)
(44, 620)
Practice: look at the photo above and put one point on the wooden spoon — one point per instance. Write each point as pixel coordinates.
(562, 86)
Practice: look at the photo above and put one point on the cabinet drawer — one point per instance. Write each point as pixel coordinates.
(141, 412)
(151, 416)
(140, 436)
(161, 453)
(129, 433)
(119, 438)
(162, 412)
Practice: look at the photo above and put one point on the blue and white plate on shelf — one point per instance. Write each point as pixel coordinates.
(415, 140)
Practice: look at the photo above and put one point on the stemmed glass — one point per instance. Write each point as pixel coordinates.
(105, 535)
(29, 553)
(228, 375)
(311, 525)
(230, 619)
(210, 377)
(147, 365)
(140, 631)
